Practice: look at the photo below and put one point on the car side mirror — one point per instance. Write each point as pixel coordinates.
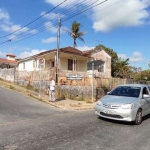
(108, 93)
(145, 96)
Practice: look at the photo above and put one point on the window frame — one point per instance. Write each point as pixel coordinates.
(24, 66)
(70, 64)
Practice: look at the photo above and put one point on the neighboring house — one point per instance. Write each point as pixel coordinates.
(9, 62)
(70, 60)
(101, 63)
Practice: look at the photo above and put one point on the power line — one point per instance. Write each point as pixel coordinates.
(35, 19)
(99, 10)
(41, 17)
(89, 6)
(28, 33)
(52, 25)
(72, 15)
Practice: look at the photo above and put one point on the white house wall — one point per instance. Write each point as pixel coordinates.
(81, 66)
(64, 64)
(28, 66)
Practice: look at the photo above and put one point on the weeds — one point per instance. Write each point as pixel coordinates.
(11, 87)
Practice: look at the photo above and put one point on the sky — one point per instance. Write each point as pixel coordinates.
(29, 27)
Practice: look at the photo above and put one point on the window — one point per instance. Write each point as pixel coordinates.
(98, 65)
(127, 91)
(23, 65)
(52, 64)
(34, 64)
(70, 64)
(101, 68)
(145, 91)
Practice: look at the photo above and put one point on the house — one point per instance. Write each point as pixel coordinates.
(9, 62)
(73, 68)
(101, 63)
(70, 60)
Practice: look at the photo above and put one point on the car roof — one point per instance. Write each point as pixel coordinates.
(135, 85)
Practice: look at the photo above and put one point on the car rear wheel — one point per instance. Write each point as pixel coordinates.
(138, 119)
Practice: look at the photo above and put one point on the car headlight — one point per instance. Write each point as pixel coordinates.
(99, 103)
(127, 106)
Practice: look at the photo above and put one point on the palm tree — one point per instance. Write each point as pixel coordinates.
(75, 32)
(121, 68)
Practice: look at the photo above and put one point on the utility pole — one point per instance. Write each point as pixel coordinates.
(92, 81)
(57, 54)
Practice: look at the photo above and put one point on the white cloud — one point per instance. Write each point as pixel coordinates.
(53, 28)
(114, 13)
(30, 53)
(136, 57)
(9, 27)
(50, 16)
(57, 2)
(85, 48)
(50, 27)
(123, 14)
(123, 56)
(49, 40)
(13, 28)
(34, 31)
(2, 54)
(4, 14)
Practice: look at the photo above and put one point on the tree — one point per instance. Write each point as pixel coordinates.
(149, 64)
(122, 69)
(144, 75)
(75, 33)
(122, 72)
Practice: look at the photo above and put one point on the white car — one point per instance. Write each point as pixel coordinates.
(128, 102)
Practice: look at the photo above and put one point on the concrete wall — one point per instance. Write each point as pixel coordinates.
(81, 93)
(7, 74)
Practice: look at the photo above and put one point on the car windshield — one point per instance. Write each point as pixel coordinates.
(129, 91)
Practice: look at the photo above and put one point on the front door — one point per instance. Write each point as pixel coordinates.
(145, 101)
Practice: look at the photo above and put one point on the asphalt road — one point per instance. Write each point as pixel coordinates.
(28, 124)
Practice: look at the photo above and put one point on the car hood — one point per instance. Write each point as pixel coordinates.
(118, 100)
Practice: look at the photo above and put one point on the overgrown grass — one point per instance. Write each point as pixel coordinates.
(12, 87)
(30, 87)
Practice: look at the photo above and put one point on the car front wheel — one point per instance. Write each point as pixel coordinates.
(138, 119)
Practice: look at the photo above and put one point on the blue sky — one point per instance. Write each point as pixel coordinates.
(122, 25)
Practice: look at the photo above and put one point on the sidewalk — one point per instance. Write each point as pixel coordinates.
(65, 104)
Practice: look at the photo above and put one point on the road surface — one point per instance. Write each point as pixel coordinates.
(28, 124)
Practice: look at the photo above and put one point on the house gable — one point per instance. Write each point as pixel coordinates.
(101, 61)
